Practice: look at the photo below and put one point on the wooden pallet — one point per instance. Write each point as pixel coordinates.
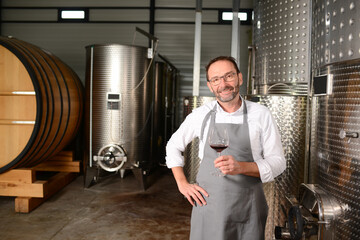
(29, 191)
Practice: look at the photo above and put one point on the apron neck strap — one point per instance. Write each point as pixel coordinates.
(213, 111)
(245, 115)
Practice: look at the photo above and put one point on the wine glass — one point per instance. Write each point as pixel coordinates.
(219, 141)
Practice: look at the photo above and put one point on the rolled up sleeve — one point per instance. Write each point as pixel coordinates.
(179, 140)
(273, 162)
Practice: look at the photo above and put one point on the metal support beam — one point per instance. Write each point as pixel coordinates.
(235, 36)
(197, 48)
(0, 18)
(152, 20)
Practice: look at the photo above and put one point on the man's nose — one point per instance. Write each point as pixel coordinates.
(223, 82)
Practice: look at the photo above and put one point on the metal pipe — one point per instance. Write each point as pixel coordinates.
(152, 20)
(0, 18)
(197, 48)
(251, 71)
(91, 107)
(235, 40)
(308, 112)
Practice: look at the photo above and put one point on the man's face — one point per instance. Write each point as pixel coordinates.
(225, 91)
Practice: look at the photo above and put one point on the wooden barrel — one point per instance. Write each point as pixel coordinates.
(41, 102)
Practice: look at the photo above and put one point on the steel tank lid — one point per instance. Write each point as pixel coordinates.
(113, 45)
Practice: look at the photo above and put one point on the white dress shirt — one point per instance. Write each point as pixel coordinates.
(264, 137)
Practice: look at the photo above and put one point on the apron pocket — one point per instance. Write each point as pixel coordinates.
(236, 206)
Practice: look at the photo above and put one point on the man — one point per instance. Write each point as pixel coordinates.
(232, 206)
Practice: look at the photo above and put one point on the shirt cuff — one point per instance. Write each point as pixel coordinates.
(264, 170)
(172, 163)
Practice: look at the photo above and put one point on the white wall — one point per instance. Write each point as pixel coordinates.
(36, 22)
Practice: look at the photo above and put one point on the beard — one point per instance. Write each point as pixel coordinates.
(235, 91)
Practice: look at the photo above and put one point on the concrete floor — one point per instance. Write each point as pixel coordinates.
(115, 208)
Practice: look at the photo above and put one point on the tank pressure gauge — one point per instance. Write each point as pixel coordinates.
(113, 100)
(323, 85)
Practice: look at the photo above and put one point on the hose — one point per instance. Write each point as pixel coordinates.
(295, 228)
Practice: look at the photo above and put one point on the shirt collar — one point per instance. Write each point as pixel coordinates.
(239, 111)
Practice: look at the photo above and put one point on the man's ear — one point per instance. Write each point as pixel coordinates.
(240, 78)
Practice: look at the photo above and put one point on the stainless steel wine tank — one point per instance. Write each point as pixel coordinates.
(119, 103)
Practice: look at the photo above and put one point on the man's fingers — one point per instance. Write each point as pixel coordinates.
(191, 201)
(199, 199)
(202, 191)
(193, 195)
(220, 164)
(196, 195)
(220, 159)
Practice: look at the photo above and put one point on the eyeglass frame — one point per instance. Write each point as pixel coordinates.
(211, 81)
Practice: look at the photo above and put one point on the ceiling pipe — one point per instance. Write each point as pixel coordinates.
(197, 48)
(235, 39)
(0, 17)
(152, 20)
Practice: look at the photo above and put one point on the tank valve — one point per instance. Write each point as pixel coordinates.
(282, 233)
(111, 157)
(313, 217)
(343, 134)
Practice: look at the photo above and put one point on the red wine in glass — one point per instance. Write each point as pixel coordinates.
(218, 147)
(219, 141)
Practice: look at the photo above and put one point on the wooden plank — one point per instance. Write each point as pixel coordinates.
(57, 182)
(18, 175)
(27, 204)
(30, 193)
(6, 94)
(18, 93)
(35, 189)
(63, 156)
(61, 162)
(13, 74)
(13, 139)
(58, 166)
(25, 122)
(52, 186)
(18, 107)
(17, 119)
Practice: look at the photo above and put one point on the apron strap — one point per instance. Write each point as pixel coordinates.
(205, 120)
(245, 118)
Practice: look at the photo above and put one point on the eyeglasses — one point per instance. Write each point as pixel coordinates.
(228, 77)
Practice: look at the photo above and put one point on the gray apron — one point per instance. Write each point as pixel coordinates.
(236, 207)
